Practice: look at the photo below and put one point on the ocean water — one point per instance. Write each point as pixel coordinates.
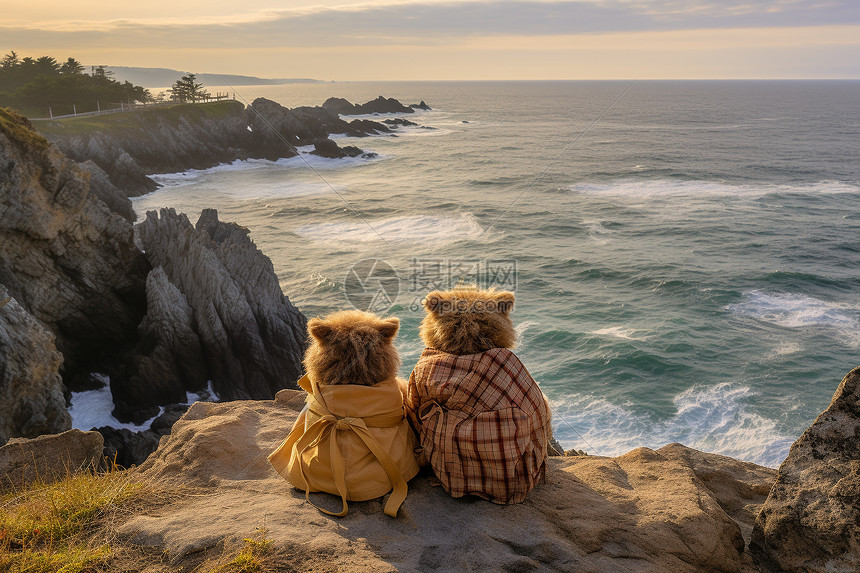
(685, 255)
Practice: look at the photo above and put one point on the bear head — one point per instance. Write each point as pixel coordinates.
(468, 320)
(352, 347)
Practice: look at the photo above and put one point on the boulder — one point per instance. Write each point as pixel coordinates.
(330, 149)
(31, 390)
(250, 336)
(65, 257)
(811, 519)
(48, 457)
(125, 447)
(646, 511)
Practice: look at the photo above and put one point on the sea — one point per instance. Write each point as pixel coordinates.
(685, 254)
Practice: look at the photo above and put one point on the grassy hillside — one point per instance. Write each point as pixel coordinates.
(123, 121)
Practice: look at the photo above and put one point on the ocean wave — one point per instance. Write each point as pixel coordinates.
(618, 332)
(415, 229)
(716, 419)
(644, 188)
(791, 310)
(304, 159)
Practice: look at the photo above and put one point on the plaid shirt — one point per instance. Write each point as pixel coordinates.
(482, 421)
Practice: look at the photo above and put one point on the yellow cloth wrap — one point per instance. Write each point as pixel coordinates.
(315, 455)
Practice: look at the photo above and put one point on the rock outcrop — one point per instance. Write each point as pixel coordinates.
(216, 312)
(48, 457)
(65, 257)
(811, 519)
(646, 511)
(197, 136)
(379, 105)
(31, 390)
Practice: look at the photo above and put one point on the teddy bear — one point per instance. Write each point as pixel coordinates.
(483, 423)
(352, 438)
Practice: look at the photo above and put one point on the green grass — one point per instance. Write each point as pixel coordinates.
(123, 121)
(54, 527)
(251, 558)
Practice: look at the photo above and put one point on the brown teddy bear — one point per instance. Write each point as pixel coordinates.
(356, 401)
(483, 422)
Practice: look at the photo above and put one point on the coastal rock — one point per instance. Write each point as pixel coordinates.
(421, 105)
(125, 447)
(168, 360)
(110, 195)
(330, 149)
(379, 105)
(251, 337)
(64, 256)
(31, 390)
(48, 457)
(811, 519)
(646, 511)
(196, 136)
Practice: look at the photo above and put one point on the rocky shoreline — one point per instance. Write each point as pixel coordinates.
(133, 146)
(167, 307)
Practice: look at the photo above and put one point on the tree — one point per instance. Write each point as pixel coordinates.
(187, 89)
(47, 65)
(72, 67)
(10, 61)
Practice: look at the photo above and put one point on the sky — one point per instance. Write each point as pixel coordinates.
(449, 39)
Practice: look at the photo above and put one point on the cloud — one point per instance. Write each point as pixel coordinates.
(427, 23)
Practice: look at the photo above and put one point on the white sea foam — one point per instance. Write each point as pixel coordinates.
(716, 419)
(416, 229)
(790, 310)
(668, 188)
(92, 409)
(618, 332)
(305, 159)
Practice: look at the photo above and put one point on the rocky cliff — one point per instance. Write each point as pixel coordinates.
(215, 312)
(65, 257)
(130, 146)
(81, 297)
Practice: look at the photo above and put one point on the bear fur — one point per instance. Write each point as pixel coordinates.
(352, 347)
(468, 320)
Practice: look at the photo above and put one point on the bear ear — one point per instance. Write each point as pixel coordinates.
(319, 329)
(389, 327)
(433, 302)
(504, 302)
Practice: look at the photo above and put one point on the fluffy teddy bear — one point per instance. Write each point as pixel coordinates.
(354, 400)
(483, 422)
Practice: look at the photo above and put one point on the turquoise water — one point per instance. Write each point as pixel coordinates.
(687, 257)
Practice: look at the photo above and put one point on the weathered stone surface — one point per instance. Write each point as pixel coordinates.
(646, 511)
(251, 337)
(48, 457)
(169, 359)
(811, 519)
(31, 390)
(64, 256)
(101, 186)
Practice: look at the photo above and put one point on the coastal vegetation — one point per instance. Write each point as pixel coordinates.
(43, 86)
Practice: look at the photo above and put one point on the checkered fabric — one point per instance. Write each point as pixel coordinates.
(482, 422)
